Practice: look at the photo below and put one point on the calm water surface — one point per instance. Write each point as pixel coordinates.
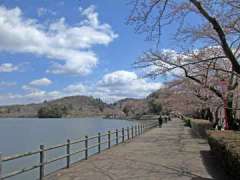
(23, 135)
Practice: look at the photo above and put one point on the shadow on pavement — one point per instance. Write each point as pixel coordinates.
(210, 162)
(213, 166)
(200, 178)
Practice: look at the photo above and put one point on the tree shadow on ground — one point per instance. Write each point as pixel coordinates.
(201, 178)
(193, 134)
(213, 166)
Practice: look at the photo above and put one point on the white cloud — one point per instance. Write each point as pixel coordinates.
(114, 86)
(41, 11)
(35, 96)
(111, 87)
(118, 78)
(80, 9)
(76, 88)
(41, 82)
(69, 45)
(44, 11)
(8, 67)
(126, 84)
(4, 84)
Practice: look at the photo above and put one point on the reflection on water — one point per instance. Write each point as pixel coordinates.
(23, 135)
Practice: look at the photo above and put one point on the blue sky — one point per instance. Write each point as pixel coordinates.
(51, 49)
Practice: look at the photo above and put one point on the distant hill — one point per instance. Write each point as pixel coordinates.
(85, 106)
(72, 106)
(132, 108)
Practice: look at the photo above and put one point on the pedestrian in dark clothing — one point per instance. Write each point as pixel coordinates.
(160, 121)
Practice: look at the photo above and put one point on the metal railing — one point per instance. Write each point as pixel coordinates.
(112, 138)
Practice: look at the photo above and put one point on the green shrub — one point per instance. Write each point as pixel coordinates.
(187, 122)
(52, 111)
(200, 127)
(226, 146)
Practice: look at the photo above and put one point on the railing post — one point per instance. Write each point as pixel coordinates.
(135, 130)
(128, 133)
(138, 130)
(86, 147)
(109, 139)
(132, 132)
(0, 165)
(99, 142)
(68, 153)
(141, 129)
(42, 160)
(116, 136)
(123, 135)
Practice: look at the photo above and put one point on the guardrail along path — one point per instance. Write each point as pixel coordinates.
(167, 153)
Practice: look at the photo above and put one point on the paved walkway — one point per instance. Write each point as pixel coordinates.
(168, 153)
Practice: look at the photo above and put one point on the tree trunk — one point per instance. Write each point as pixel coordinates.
(229, 111)
(216, 114)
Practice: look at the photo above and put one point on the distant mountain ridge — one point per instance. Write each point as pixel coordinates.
(85, 106)
(73, 106)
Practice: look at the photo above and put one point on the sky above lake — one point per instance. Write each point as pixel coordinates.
(52, 49)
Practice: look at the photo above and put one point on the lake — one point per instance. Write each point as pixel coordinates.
(18, 135)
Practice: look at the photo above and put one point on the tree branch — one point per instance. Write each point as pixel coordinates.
(217, 27)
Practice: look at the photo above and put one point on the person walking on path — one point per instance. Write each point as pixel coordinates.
(160, 121)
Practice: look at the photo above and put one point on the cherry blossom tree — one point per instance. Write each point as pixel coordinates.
(202, 69)
(217, 24)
